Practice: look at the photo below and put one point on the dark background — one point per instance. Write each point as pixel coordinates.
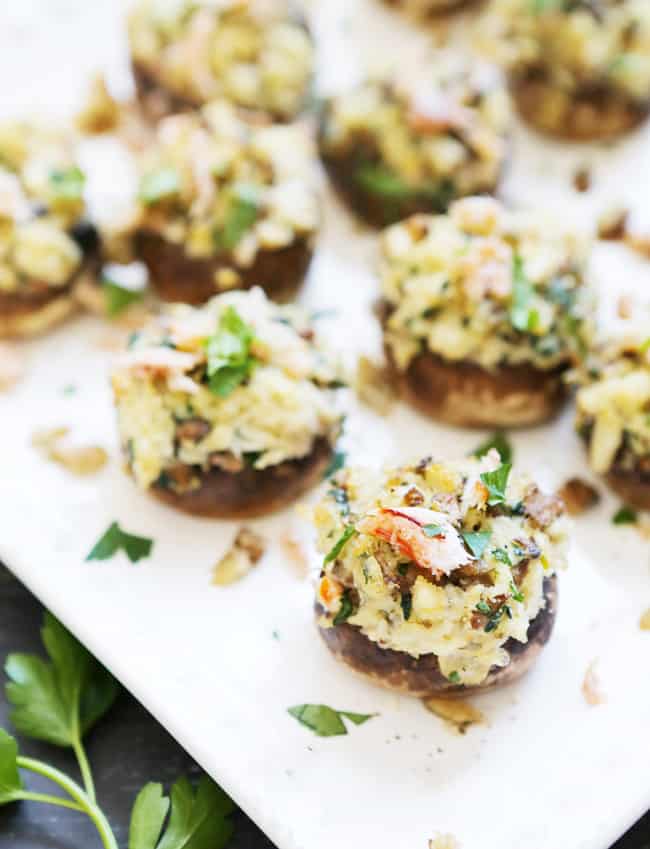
(126, 749)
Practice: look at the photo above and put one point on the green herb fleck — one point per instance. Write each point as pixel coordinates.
(117, 298)
(454, 677)
(324, 721)
(379, 180)
(68, 184)
(407, 605)
(502, 556)
(230, 361)
(336, 463)
(345, 610)
(522, 316)
(625, 516)
(162, 184)
(114, 539)
(69, 390)
(515, 592)
(496, 483)
(476, 541)
(349, 532)
(240, 216)
(499, 441)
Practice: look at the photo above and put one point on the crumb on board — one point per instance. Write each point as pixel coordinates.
(458, 714)
(625, 307)
(612, 224)
(373, 386)
(644, 620)
(246, 551)
(591, 687)
(100, 112)
(578, 496)
(295, 553)
(12, 366)
(78, 459)
(582, 179)
(443, 841)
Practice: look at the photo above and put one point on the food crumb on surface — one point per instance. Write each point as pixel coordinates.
(100, 112)
(78, 459)
(625, 307)
(459, 714)
(246, 551)
(582, 179)
(373, 386)
(443, 841)
(612, 224)
(591, 686)
(644, 620)
(12, 366)
(295, 554)
(578, 496)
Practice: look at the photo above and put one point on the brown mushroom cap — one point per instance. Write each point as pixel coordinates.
(421, 677)
(633, 486)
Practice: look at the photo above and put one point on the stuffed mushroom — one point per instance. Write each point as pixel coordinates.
(395, 148)
(426, 8)
(256, 53)
(578, 70)
(46, 242)
(438, 577)
(227, 410)
(613, 416)
(484, 310)
(225, 203)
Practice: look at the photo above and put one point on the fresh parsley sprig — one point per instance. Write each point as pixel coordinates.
(114, 538)
(325, 721)
(496, 483)
(230, 361)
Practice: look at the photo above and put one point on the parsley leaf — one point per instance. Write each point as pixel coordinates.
(117, 299)
(59, 701)
(349, 532)
(114, 539)
(483, 607)
(148, 817)
(240, 216)
(10, 781)
(379, 180)
(162, 184)
(230, 361)
(454, 677)
(496, 483)
(345, 610)
(502, 556)
(515, 592)
(324, 721)
(499, 441)
(197, 821)
(625, 516)
(522, 317)
(433, 530)
(477, 541)
(68, 184)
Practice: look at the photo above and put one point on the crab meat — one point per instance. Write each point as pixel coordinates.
(403, 528)
(159, 362)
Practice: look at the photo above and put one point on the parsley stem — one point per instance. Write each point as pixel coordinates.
(84, 768)
(75, 791)
(46, 799)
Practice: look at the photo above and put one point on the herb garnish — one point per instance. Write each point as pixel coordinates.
(407, 605)
(324, 721)
(117, 299)
(522, 317)
(114, 539)
(502, 556)
(434, 530)
(380, 180)
(454, 677)
(240, 216)
(345, 610)
(496, 483)
(68, 184)
(340, 495)
(515, 592)
(336, 463)
(230, 361)
(476, 541)
(162, 184)
(625, 516)
(349, 532)
(499, 441)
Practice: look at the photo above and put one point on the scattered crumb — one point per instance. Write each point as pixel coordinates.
(625, 306)
(246, 551)
(100, 112)
(12, 366)
(443, 841)
(374, 386)
(644, 621)
(582, 179)
(612, 224)
(639, 242)
(591, 688)
(112, 339)
(80, 460)
(295, 554)
(459, 714)
(578, 496)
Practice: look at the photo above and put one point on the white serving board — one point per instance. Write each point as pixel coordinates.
(220, 666)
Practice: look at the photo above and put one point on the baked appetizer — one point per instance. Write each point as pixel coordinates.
(226, 204)
(46, 243)
(613, 417)
(227, 410)
(255, 53)
(438, 577)
(484, 310)
(578, 70)
(395, 148)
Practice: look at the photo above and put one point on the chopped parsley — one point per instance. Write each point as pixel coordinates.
(336, 463)
(117, 299)
(625, 516)
(68, 184)
(496, 483)
(230, 361)
(454, 677)
(496, 616)
(407, 605)
(502, 556)
(240, 216)
(499, 441)
(325, 721)
(515, 592)
(434, 530)
(476, 541)
(379, 180)
(340, 495)
(347, 534)
(345, 610)
(114, 539)
(484, 608)
(162, 184)
(522, 316)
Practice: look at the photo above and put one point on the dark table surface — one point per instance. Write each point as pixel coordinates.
(127, 749)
